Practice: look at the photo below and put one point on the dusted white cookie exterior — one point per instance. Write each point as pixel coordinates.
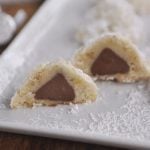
(111, 16)
(121, 46)
(142, 7)
(84, 87)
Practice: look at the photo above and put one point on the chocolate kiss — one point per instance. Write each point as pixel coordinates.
(109, 63)
(56, 89)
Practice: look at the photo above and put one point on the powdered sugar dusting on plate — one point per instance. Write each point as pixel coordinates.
(126, 114)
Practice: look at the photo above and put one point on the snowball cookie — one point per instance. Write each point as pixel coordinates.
(112, 57)
(111, 16)
(141, 7)
(55, 83)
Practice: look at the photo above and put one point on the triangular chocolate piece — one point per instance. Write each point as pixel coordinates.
(56, 89)
(55, 83)
(109, 63)
(112, 57)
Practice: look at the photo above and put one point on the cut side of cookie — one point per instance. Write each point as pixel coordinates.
(55, 83)
(112, 57)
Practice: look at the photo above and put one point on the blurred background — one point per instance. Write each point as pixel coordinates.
(14, 15)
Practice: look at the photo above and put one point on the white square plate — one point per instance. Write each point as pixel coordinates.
(121, 114)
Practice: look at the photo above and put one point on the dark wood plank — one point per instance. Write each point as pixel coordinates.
(10, 141)
(29, 8)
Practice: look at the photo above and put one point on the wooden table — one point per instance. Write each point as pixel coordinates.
(9, 141)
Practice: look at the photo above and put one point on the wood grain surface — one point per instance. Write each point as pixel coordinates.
(10, 141)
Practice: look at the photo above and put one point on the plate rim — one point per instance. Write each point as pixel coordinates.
(73, 135)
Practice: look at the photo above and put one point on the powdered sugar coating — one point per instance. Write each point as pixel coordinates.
(111, 17)
(141, 6)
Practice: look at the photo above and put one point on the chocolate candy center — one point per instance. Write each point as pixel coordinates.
(56, 89)
(109, 63)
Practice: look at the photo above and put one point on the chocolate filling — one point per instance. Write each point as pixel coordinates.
(56, 89)
(109, 63)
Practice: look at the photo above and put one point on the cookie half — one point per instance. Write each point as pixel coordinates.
(112, 57)
(55, 83)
